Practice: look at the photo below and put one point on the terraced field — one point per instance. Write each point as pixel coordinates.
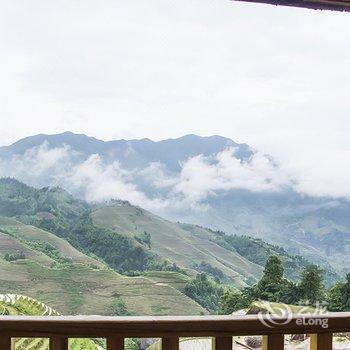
(173, 279)
(186, 245)
(75, 283)
(13, 304)
(39, 245)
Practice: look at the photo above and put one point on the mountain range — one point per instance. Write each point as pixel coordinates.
(211, 181)
(116, 258)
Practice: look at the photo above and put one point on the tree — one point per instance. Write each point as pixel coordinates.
(233, 301)
(272, 286)
(205, 291)
(273, 269)
(346, 294)
(311, 288)
(336, 297)
(339, 296)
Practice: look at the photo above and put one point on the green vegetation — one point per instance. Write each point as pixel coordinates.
(54, 210)
(258, 251)
(45, 247)
(233, 300)
(210, 270)
(174, 279)
(85, 285)
(69, 254)
(311, 288)
(205, 291)
(120, 308)
(12, 304)
(144, 238)
(339, 296)
(14, 256)
(118, 251)
(273, 287)
(188, 246)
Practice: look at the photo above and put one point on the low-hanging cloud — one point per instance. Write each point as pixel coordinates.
(152, 187)
(101, 182)
(89, 178)
(206, 176)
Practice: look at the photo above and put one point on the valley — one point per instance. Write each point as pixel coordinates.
(209, 181)
(114, 258)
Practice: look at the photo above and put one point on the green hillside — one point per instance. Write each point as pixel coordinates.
(231, 258)
(175, 279)
(76, 257)
(39, 245)
(186, 245)
(56, 211)
(48, 268)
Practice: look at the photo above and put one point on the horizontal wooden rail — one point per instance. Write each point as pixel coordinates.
(222, 328)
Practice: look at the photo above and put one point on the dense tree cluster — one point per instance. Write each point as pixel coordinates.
(15, 256)
(258, 251)
(274, 287)
(205, 291)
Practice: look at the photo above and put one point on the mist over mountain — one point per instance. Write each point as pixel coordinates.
(211, 181)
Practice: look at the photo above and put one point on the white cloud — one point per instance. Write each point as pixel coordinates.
(157, 189)
(89, 178)
(200, 177)
(39, 165)
(159, 69)
(101, 182)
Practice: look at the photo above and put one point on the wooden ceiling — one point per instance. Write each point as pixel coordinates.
(334, 5)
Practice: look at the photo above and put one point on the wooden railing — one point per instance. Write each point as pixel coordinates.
(170, 329)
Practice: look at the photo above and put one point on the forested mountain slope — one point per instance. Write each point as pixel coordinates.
(75, 256)
(233, 258)
(186, 245)
(47, 267)
(210, 181)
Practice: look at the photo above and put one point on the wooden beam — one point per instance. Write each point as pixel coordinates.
(115, 343)
(273, 342)
(171, 343)
(222, 343)
(5, 342)
(58, 343)
(322, 341)
(162, 326)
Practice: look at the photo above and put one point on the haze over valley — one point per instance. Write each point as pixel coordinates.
(212, 181)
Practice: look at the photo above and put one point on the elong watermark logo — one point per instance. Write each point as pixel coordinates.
(276, 314)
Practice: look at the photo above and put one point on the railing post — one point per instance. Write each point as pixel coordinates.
(273, 342)
(170, 343)
(222, 343)
(321, 341)
(5, 342)
(115, 343)
(58, 343)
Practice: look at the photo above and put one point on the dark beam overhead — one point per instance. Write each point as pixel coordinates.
(334, 5)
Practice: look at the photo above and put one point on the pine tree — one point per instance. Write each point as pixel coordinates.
(311, 288)
(346, 294)
(272, 286)
(233, 301)
(336, 297)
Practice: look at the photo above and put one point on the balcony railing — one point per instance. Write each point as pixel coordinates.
(222, 328)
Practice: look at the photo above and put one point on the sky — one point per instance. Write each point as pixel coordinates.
(276, 78)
